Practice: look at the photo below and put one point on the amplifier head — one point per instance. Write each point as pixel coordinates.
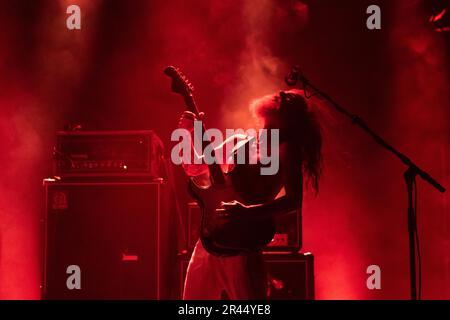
(108, 153)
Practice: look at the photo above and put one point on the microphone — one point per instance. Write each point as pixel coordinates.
(293, 76)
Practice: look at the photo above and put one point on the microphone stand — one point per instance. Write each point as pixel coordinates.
(409, 175)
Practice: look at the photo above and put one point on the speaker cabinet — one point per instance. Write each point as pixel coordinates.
(290, 276)
(104, 240)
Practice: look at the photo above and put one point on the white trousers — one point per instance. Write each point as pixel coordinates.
(209, 277)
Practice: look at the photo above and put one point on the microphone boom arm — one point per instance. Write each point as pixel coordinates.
(355, 119)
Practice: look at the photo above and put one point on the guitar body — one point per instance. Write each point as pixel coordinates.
(227, 236)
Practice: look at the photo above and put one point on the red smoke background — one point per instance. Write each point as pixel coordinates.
(108, 75)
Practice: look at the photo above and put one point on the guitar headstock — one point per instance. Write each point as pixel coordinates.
(180, 84)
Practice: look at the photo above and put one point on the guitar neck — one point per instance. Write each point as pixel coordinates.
(214, 168)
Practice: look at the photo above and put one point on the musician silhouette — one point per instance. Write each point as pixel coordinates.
(242, 276)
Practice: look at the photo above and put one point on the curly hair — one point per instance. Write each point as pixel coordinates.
(299, 127)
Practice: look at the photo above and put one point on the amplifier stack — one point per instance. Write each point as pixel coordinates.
(107, 218)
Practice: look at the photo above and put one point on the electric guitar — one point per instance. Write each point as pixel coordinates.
(220, 236)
